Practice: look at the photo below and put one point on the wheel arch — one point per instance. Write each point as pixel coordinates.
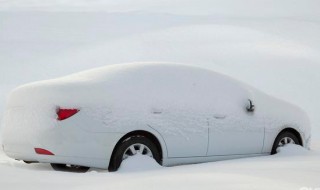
(291, 130)
(144, 133)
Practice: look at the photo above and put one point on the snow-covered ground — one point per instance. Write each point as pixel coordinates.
(273, 45)
(293, 168)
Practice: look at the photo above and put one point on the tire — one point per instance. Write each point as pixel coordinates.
(120, 153)
(280, 140)
(69, 168)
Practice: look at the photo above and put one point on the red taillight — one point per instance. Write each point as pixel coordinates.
(66, 113)
(43, 151)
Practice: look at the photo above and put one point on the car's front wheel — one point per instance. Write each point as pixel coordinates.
(132, 146)
(283, 139)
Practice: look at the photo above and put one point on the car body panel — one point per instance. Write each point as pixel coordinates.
(197, 115)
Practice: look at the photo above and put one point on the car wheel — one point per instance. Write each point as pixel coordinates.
(69, 168)
(132, 146)
(283, 139)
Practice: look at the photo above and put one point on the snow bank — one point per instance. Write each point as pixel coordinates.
(231, 8)
(292, 150)
(279, 172)
(139, 163)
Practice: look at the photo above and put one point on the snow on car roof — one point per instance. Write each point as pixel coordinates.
(138, 82)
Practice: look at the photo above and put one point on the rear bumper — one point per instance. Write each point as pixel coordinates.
(33, 157)
(95, 152)
(68, 140)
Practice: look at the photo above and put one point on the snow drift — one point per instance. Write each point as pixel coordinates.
(38, 45)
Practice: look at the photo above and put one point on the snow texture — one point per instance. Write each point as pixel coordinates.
(292, 168)
(270, 44)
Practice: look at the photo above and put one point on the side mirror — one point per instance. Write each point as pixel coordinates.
(250, 107)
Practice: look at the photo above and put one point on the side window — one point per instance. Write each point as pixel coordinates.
(227, 94)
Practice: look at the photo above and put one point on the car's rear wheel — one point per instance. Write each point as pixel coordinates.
(132, 146)
(69, 168)
(283, 139)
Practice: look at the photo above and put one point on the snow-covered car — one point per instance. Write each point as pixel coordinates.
(175, 113)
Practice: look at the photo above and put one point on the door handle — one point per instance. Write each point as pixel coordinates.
(219, 116)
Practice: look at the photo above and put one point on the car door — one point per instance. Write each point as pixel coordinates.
(185, 132)
(234, 130)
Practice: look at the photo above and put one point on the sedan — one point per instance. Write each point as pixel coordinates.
(175, 113)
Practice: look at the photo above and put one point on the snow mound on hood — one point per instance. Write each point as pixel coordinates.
(139, 162)
(292, 149)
